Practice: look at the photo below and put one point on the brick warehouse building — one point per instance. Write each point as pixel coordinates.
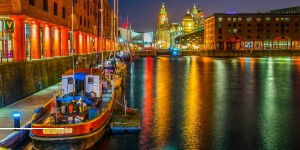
(252, 31)
(35, 29)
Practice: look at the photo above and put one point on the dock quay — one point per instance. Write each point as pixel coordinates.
(220, 53)
(27, 108)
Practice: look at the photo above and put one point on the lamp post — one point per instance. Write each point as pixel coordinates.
(16, 120)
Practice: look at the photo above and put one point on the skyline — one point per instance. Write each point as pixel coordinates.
(147, 21)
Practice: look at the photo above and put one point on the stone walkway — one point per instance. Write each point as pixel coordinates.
(26, 107)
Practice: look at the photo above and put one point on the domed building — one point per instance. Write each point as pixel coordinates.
(168, 32)
(188, 24)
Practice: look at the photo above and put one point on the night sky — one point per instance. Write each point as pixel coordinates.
(143, 14)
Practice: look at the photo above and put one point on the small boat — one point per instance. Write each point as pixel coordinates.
(79, 114)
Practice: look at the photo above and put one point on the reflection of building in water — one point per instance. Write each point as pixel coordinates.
(168, 32)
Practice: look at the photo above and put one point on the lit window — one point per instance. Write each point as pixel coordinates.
(282, 19)
(258, 19)
(234, 20)
(239, 19)
(220, 19)
(229, 19)
(268, 19)
(287, 19)
(249, 19)
(277, 19)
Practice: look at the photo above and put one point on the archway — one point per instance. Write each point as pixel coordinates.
(233, 43)
(281, 42)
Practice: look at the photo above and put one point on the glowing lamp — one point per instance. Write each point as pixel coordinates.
(16, 120)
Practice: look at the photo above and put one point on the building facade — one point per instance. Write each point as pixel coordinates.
(36, 29)
(252, 31)
(168, 32)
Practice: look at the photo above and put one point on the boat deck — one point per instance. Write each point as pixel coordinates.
(125, 124)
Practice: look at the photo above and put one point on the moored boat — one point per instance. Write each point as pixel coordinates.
(78, 115)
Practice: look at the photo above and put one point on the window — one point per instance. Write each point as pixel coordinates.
(277, 31)
(229, 25)
(220, 31)
(80, 20)
(249, 19)
(32, 2)
(287, 30)
(296, 24)
(281, 19)
(88, 24)
(258, 19)
(220, 19)
(239, 19)
(277, 19)
(257, 37)
(268, 19)
(258, 25)
(268, 30)
(267, 24)
(84, 6)
(249, 30)
(287, 19)
(84, 22)
(277, 24)
(249, 25)
(45, 5)
(55, 8)
(248, 37)
(63, 12)
(234, 30)
(239, 25)
(220, 37)
(258, 30)
(287, 24)
(239, 31)
(234, 19)
(228, 19)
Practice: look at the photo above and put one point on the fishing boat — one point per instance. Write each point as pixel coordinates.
(78, 116)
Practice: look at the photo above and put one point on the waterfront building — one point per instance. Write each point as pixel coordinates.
(39, 29)
(290, 10)
(168, 32)
(253, 31)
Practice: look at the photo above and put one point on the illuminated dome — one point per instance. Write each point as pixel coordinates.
(188, 16)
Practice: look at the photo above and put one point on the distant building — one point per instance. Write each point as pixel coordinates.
(252, 31)
(167, 32)
(290, 10)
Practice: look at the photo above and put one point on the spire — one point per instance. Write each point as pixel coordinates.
(195, 11)
(188, 11)
(163, 10)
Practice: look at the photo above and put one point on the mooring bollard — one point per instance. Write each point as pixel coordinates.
(16, 120)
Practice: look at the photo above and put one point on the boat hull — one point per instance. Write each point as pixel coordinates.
(75, 142)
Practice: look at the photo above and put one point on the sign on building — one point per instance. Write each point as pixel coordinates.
(9, 26)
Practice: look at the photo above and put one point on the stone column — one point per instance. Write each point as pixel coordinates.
(64, 41)
(76, 42)
(35, 45)
(47, 40)
(84, 50)
(57, 41)
(80, 43)
(19, 37)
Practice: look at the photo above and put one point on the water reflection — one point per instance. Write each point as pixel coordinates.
(215, 103)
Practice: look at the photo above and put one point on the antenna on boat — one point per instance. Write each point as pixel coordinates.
(125, 105)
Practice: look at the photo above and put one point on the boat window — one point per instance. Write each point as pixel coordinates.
(70, 80)
(90, 80)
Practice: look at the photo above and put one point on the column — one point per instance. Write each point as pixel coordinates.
(80, 43)
(84, 35)
(263, 45)
(76, 43)
(291, 45)
(19, 37)
(225, 47)
(88, 44)
(64, 41)
(271, 45)
(252, 45)
(47, 43)
(35, 45)
(57, 42)
(95, 48)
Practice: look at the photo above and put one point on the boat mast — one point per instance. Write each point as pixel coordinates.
(72, 46)
(102, 34)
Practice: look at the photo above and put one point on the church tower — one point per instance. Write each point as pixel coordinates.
(163, 15)
(163, 29)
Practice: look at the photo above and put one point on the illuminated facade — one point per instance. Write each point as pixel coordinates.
(167, 32)
(252, 31)
(36, 29)
(163, 29)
